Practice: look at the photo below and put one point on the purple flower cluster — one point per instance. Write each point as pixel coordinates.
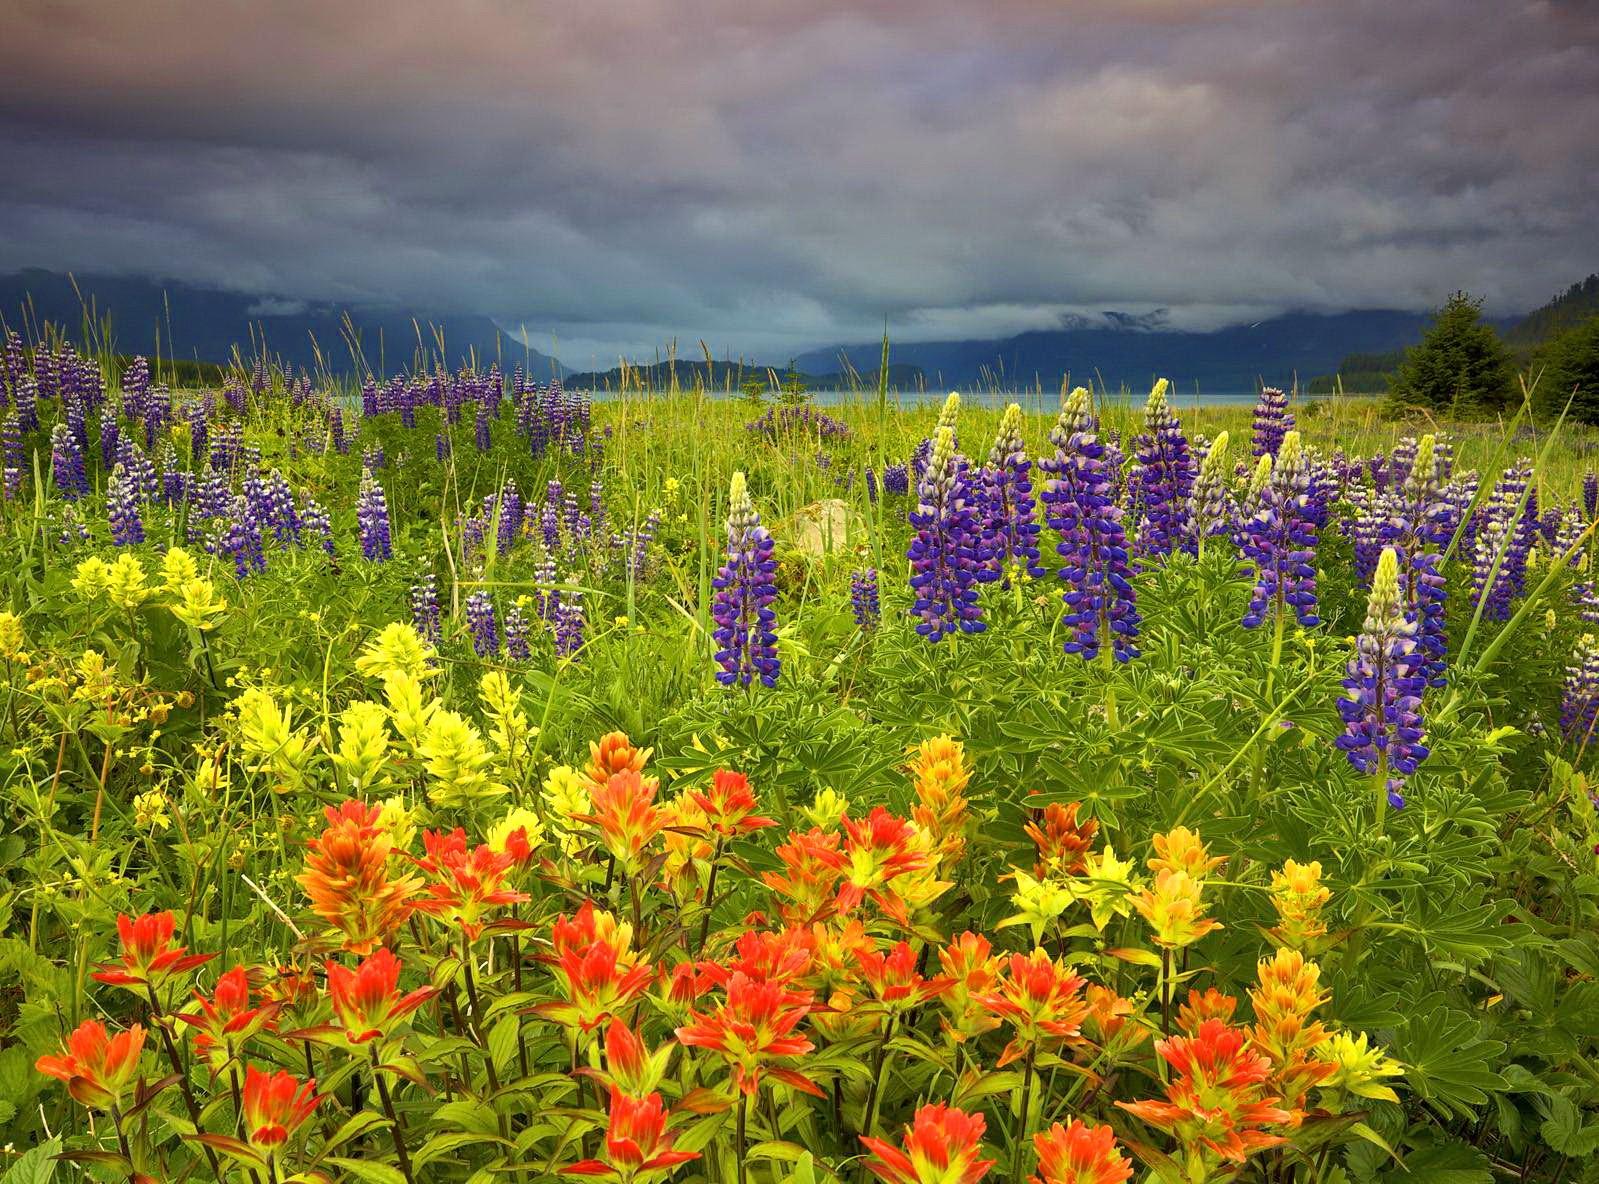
(372, 516)
(745, 592)
(1579, 706)
(1009, 511)
(569, 625)
(1280, 539)
(801, 420)
(425, 616)
(11, 457)
(1210, 506)
(945, 551)
(1383, 732)
(1272, 421)
(517, 633)
(1080, 506)
(66, 462)
(1163, 481)
(863, 597)
(480, 620)
(122, 509)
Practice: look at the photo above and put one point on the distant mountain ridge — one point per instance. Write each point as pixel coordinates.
(208, 324)
(1236, 358)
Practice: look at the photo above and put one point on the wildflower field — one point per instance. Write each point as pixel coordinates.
(452, 778)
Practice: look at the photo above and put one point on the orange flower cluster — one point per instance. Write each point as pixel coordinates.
(348, 878)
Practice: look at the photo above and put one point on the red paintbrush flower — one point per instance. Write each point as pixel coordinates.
(367, 1000)
(97, 1068)
(1217, 1100)
(469, 881)
(730, 805)
(1043, 1003)
(1079, 1154)
(894, 979)
(752, 1027)
(149, 957)
(631, 1067)
(275, 1106)
(942, 1146)
(970, 971)
(876, 852)
(347, 878)
(637, 1143)
(226, 1021)
(600, 976)
(764, 956)
(812, 865)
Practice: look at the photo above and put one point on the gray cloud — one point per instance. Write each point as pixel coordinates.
(777, 175)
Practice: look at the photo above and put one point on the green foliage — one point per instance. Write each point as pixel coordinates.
(1569, 365)
(1461, 367)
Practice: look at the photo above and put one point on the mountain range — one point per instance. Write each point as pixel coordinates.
(1117, 351)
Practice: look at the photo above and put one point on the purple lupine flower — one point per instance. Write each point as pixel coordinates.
(374, 458)
(122, 509)
(1273, 420)
(316, 523)
(110, 435)
(11, 456)
(1419, 532)
(15, 364)
(569, 623)
(278, 509)
(174, 478)
(549, 596)
(516, 635)
(241, 539)
(66, 462)
(76, 413)
(945, 548)
(485, 629)
(1579, 706)
(425, 615)
(863, 597)
(1510, 527)
(896, 480)
(73, 529)
(742, 606)
(199, 429)
(1590, 494)
(441, 446)
(1280, 540)
(1383, 732)
(28, 403)
(510, 510)
(372, 516)
(1164, 481)
(157, 413)
(336, 432)
(369, 398)
(1079, 505)
(639, 546)
(480, 435)
(871, 485)
(802, 420)
(135, 386)
(1009, 511)
(597, 506)
(1210, 508)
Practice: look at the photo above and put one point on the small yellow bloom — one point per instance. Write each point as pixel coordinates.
(1182, 850)
(198, 604)
(12, 639)
(125, 582)
(398, 647)
(457, 761)
(1358, 1067)
(1106, 886)
(93, 574)
(826, 809)
(150, 811)
(1298, 895)
(1039, 903)
(1174, 909)
(516, 818)
(363, 752)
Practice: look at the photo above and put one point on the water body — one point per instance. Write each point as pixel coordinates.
(1030, 400)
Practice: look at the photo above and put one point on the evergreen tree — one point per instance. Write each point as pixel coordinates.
(1460, 366)
(1571, 362)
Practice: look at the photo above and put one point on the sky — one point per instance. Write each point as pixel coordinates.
(769, 175)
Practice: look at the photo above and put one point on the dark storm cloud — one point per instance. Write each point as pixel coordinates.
(774, 175)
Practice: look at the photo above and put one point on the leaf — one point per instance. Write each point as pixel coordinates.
(1563, 1129)
(37, 1166)
(446, 1142)
(1443, 1163)
(502, 1041)
(1447, 1061)
(354, 1127)
(370, 1169)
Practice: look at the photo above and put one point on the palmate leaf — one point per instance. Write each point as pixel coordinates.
(1565, 1131)
(1442, 1163)
(1447, 1061)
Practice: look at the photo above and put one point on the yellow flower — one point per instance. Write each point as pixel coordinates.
(826, 809)
(198, 603)
(93, 574)
(210, 778)
(96, 679)
(363, 752)
(398, 647)
(125, 582)
(178, 568)
(567, 792)
(457, 760)
(1182, 850)
(1357, 1067)
(267, 735)
(397, 818)
(1298, 895)
(12, 638)
(1106, 886)
(407, 707)
(517, 818)
(1039, 903)
(150, 811)
(509, 727)
(1174, 909)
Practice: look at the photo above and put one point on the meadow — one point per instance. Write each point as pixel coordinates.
(449, 777)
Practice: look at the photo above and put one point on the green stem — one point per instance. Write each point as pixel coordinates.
(396, 1131)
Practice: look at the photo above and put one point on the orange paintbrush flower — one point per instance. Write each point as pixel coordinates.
(599, 975)
(367, 1002)
(1107, 1020)
(1209, 1005)
(765, 956)
(1175, 909)
(877, 851)
(637, 1144)
(812, 866)
(614, 753)
(347, 878)
(1217, 1102)
(275, 1106)
(1041, 1001)
(1182, 850)
(1287, 992)
(893, 978)
(971, 969)
(624, 810)
(149, 955)
(729, 806)
(226, 1021)
(630, 1066)
(98, 1069)
(941, 772)
(469, 882)
(752, 1027)
(1298, 895)
(941, 1146)
(1062, 840)
(1079, 1154)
